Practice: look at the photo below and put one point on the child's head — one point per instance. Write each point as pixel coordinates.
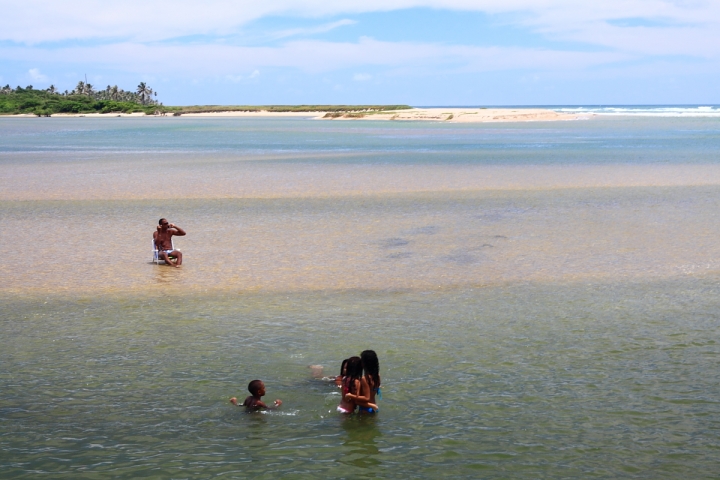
(343, 368)
(353, 368)
(256, 388)
(371, 365)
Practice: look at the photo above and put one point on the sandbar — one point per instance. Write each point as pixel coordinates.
(453, 115)
(471, 115)
(435, 114)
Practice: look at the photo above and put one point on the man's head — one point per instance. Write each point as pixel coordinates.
(257, 388)
(163, 223)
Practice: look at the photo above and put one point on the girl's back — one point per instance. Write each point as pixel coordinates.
(371, 366)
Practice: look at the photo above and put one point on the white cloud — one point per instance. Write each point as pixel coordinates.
(312, 56)
(35, 75)
(240, 78)
(692, 26)
(116, 37)
(310, 31)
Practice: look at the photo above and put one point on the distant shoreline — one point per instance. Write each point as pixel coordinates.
(445, 115)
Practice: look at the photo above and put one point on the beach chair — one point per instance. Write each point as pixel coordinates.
(156, 252)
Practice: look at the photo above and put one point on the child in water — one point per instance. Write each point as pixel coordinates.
(254, 401)
(371, 366)
(354, 388)
(343, 372)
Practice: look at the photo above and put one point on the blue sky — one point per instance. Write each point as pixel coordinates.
(417, 52)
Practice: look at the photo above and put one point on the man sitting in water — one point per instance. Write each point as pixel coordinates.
(163, 243)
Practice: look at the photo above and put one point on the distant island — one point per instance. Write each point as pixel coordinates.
(85, 100)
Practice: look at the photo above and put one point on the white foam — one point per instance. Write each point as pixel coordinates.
(647, 111)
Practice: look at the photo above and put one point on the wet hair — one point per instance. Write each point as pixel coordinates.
(354, 372)
(371, 365)
(254, 386)
(161, 220)
(343, 366)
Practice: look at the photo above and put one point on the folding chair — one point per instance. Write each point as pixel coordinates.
(156, 252)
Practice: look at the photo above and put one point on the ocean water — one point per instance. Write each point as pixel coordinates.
(543, 297)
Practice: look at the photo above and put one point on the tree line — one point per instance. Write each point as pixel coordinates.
(84, 98)
(143, 94)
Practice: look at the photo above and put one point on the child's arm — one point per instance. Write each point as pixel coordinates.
(276, 404)
(363, 398)
(257, 404)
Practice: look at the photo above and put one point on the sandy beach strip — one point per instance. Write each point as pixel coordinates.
(451, 115)
(471, 115)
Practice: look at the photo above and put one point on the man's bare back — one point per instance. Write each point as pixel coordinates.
(163, 242)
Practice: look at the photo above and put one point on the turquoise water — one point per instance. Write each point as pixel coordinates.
(542, 297)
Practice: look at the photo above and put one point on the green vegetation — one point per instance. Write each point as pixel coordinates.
(83, 99)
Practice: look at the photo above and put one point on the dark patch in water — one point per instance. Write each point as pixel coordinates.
(484, 245)
(394, 242)
(462, 258)
(399, 255)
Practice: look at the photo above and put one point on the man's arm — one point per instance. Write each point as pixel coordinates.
(178, 231)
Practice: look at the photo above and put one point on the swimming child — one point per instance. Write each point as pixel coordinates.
(254, 401)
(316, 371)
(353, 391)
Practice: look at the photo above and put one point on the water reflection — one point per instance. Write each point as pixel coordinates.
(360, 445)
(166, 275)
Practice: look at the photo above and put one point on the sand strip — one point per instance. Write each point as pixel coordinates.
(449, 115)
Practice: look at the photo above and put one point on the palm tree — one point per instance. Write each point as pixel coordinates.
(52, 89)
(114, 93)
(80, 89)
(144, 91)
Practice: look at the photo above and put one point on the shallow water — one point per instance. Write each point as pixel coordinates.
(522, 381)
(542, 297)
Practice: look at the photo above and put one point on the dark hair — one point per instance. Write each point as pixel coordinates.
(254, 386)
(342, 367)
(160, 221)
(354, 372)
(371, 365)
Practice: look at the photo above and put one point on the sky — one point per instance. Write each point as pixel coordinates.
(416, 52)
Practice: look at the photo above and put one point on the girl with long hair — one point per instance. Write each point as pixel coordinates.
(350, 384)
(369, 383)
